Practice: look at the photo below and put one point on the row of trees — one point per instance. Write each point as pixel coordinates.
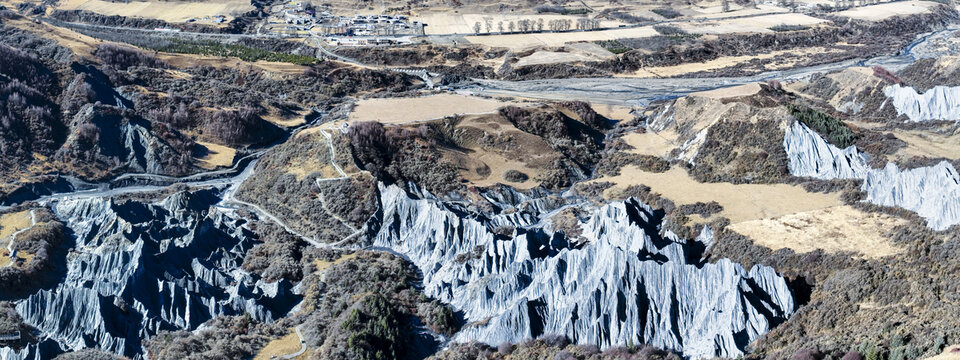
(528, 26)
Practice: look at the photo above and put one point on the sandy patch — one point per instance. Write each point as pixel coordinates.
(888, 10)
(614, 112)
(835, 229)
(288, 344)
(324, 265)
(729, 92)
(214, 155)
(11, 223)
(950, 353)
(649, 143)
(740, 202)
(932, 145)
(171, 11)
(406, 110)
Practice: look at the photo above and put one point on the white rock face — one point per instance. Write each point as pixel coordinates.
(626, 285)
(932, 192)
(141, 268)
(939, 103)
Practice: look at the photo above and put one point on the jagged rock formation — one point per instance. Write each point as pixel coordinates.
(625, 284)
(938, 103)
(932, 192)
(140, 268)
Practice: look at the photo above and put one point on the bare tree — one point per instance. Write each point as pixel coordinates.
(500, 27)
(512, 26)
(488, 24)
(540, 25)
(725, 4)
(476, 27)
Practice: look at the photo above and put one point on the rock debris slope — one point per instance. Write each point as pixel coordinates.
(939, 103)
(625, 285)
(933, 192)
(140, 268)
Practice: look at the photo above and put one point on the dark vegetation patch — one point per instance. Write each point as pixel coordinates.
(245, 53)
(829, 127)
(742, 152)
(239, 127)
(293, 195)
(366, 307)
(89, 354)
(515, 176)
(93, 18)
(124, 57)
(398, 155)
(579, 142)
(278, 256)
(919, 75)
(615, 161)
(785, 28)
(550, 347)
(701, 208)
(613, 46)
(12, 324)
(224, 337)
(670, 30)
(624, 16)
(667, 13)
(593, 189)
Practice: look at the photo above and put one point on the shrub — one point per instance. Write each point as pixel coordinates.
(667, 13)
(613, 46)
(669, 30)
(124, 57)
(239, 127)
(785, 28)
(886, 75)
(515, 176)
(700, 208)
(852, 355)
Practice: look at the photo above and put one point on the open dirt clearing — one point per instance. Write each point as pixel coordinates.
(649, 143)
(214, 155)
(835, 229)
(920, 143)
(288, 344)
(171, 11)
(888, 10)
(11, 223)
(740, 202)
(405, 110)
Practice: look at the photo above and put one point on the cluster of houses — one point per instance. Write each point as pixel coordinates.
(305, 17)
